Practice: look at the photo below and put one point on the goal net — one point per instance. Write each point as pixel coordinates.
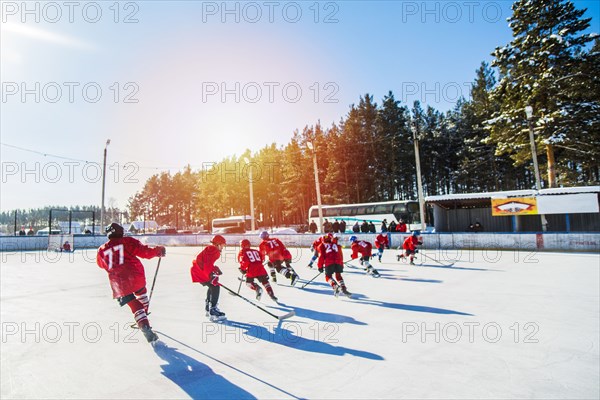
(61, 242)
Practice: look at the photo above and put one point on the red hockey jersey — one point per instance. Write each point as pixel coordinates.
(329, 253)
(361, 247)
(204, 264)
(274, 249)
(119, 257)
(251, 261)
(381, 241)
(411, 242)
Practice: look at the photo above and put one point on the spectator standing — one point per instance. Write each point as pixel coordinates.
(384, 227)
(342, 226)
(401, 227)
(372, 227)
(392, 226)
(364, 227)
(336, 226)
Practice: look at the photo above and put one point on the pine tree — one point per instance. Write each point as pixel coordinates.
(543, 67)
(396, 160)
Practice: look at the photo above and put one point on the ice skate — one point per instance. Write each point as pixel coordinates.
(336, 290)
(346, 292)
(258, 293)
(294, 278)
(149, 334)
(216, 314)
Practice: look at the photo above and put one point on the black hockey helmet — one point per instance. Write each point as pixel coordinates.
(114, 230)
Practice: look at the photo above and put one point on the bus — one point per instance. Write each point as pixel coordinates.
(233, 224)
(407, 210)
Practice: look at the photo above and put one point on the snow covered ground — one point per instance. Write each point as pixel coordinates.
(494, 325)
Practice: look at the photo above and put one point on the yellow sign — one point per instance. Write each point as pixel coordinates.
(514, 206)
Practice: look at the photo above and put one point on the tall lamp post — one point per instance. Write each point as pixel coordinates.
(536, 168)
(419, 181)
(318, 186)
(247, 161)
(103, 185)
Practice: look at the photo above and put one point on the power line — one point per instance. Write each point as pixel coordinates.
(87, 161)
(44, 154)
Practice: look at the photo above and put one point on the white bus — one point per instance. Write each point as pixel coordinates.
(407, 210)
(234, 224)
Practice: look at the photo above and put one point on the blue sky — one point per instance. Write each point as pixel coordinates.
(190, 82)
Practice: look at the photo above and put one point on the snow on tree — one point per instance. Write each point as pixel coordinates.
(546, 66)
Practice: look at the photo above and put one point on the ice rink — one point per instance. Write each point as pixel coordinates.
(493, 325)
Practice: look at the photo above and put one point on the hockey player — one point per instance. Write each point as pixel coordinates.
(364, 249)
(205, 272)
(331, 261)
(251, 264)
(66, 246)
(119, 257)
(277, 254)
(313, 248)
(410, 246)
(381, 242)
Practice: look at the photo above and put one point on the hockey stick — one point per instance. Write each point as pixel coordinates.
(315, 277)
(347, 264)
(241, 280)
(433, 259)
(374, 275)
(279, 317)
(153, 282)
(134, 325)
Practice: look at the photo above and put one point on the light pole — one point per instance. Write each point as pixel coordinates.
(536, 168)
(529, 112)
(419, 181)
(319, 205)
(103, 185)
(247, 161)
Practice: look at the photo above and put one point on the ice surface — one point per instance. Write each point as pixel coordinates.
(494, 325)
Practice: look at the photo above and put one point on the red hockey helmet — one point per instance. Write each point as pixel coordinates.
(218, 239)
(245, 243)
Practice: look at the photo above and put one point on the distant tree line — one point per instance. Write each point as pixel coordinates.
(480, 145)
